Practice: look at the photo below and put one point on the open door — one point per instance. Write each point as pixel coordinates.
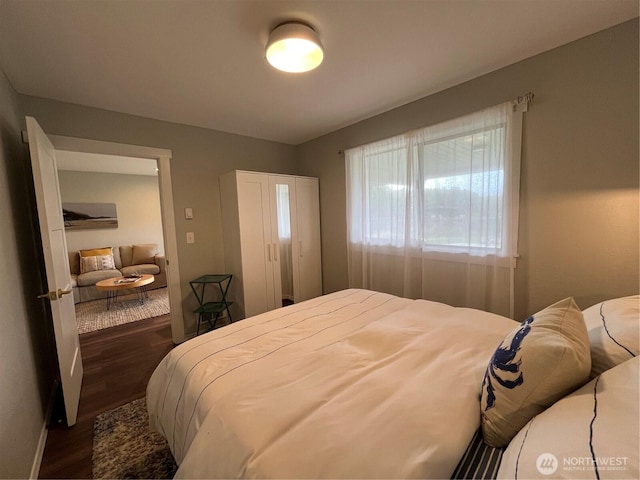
(54, 246)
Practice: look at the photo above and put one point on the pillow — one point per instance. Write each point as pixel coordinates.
(539, 362)
(96, 262)
(144, 253)
(614, 331)
(96, 251)
(596, 427)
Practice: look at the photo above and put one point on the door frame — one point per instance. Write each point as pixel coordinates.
(163, 158)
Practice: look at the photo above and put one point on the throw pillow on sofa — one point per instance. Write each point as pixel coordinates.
(96, 251)
(96, 262)
(144, 253)
(96, 259)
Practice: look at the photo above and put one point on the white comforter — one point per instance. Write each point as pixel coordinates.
(355, 384)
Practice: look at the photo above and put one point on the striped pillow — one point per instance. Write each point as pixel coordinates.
(614, 332)
(591, 433)
(480, 461)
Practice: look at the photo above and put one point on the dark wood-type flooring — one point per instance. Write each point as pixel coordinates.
(118, 363)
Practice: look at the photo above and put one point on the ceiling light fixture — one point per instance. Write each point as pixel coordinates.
(294, 47)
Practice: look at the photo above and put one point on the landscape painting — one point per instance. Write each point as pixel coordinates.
(87, 216)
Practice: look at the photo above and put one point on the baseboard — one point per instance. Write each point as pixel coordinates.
(37, 459)
(42, 441)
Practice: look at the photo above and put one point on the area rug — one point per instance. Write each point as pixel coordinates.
(92, 316)
(123, 446)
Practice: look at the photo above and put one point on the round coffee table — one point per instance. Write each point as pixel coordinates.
(115, 285)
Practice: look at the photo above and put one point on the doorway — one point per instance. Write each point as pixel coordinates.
(162, 157)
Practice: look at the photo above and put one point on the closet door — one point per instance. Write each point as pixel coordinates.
(282, 193)
(308, 261)
(256, 245)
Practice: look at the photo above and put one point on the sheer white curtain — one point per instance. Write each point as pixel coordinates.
(433, 213)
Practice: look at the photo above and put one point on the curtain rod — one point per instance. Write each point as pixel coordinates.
(527, 97)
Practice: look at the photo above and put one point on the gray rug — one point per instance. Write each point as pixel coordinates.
(92, 316)
(123, 446)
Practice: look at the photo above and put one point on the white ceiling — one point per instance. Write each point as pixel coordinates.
(201, 62)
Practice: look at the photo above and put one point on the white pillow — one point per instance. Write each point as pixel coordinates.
(599, 421)
(96, 263)
(614, 331)
(539, 362)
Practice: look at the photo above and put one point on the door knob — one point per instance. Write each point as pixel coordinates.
(55, 295)
(50, 295)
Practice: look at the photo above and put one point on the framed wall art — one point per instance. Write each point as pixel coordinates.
(89, 216)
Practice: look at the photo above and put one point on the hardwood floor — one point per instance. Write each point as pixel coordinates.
(118, 363)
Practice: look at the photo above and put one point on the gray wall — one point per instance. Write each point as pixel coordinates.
(26, 372)
(137, 200)
(199, 157)
(579, 185)
(579, 217)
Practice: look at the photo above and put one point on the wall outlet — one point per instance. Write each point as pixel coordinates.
(191, 237)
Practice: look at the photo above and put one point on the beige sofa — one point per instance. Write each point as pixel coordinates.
(127, 259)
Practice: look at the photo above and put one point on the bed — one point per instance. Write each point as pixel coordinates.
(354, 384)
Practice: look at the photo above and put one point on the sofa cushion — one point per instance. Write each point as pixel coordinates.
(91, 278)
(149, 268)
(126, 252)
(143, 253)
(116, 258)
(96, 262)
(74, 263)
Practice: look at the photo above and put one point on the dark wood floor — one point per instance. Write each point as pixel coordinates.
(118, 362)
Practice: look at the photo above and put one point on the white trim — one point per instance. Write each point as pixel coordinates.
(171, 247)
(163, 157)
(42, 441)
(37, 459)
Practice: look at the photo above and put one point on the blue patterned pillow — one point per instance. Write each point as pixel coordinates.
(539, 362)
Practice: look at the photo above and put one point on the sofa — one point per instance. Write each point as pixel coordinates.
(90, 266)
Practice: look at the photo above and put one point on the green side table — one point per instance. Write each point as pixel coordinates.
(209, 309)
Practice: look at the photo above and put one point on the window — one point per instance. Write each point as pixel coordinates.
(443, 188)
(433, 213)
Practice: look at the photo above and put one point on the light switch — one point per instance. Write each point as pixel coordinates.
(191, 237)
(188, 213)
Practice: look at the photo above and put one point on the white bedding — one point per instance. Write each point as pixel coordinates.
(355, 384)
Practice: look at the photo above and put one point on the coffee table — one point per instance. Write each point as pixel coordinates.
(115, 285)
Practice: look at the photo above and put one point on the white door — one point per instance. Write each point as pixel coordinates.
(54, 246)
(281, 192)
(256, 245)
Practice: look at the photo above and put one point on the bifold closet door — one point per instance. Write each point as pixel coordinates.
(282, 195)
(255, 238)
(308, 261)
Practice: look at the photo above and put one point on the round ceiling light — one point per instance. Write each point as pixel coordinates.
(294, 47)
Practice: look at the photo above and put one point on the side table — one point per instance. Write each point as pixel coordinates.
(210, 308)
